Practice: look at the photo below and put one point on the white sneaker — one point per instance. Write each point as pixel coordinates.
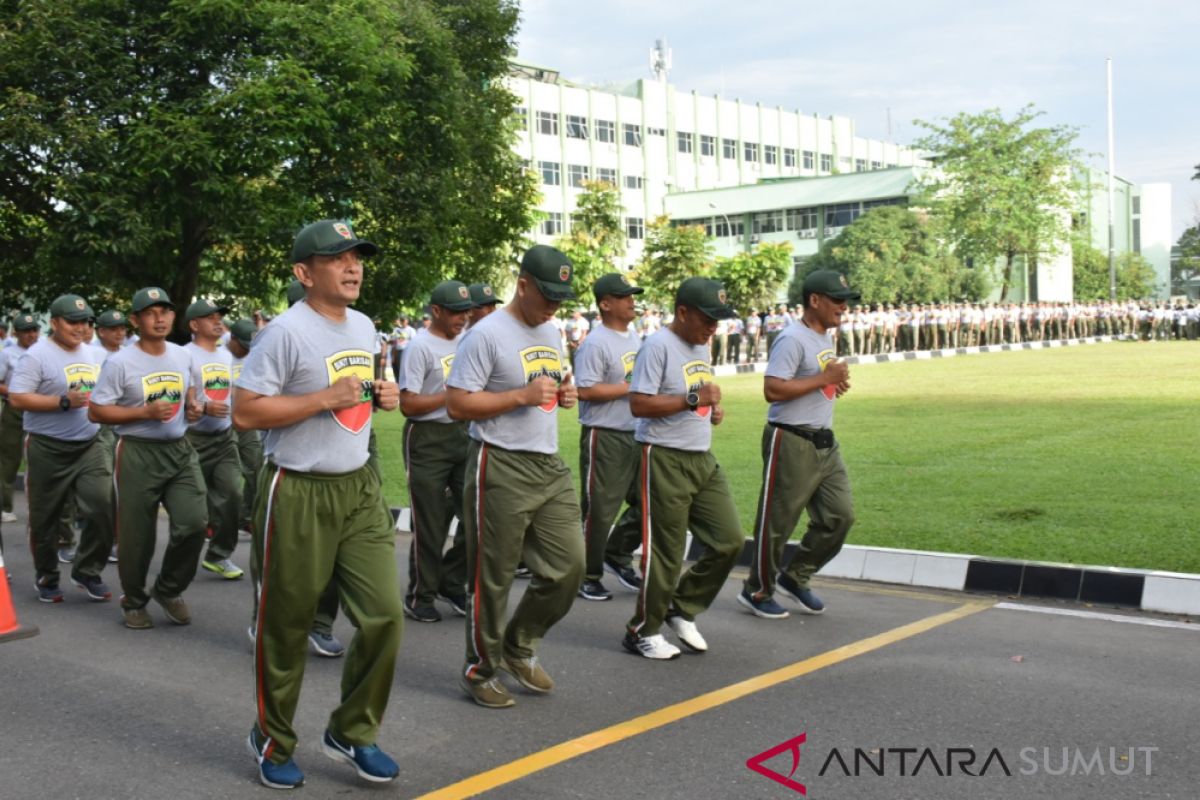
(7, 516)
(687, 632)
(656, 647)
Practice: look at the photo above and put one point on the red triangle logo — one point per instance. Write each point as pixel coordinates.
(791, 745)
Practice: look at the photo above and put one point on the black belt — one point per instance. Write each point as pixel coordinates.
(822, 438)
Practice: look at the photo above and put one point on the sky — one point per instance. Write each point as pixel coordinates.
(922, 59)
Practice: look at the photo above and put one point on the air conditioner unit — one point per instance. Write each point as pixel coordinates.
(806, 233)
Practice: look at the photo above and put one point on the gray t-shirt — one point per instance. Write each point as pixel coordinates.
(212, 375)
(801, 352)
(668, 365)
(302, 352)
(502, 353)
(424, 369)
(49, 369)
(133, 378)
(9, 357)
(606, 356)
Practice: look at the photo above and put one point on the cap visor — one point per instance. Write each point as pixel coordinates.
(720, 312)
(556, 292)
(465, 305)
(364, 247)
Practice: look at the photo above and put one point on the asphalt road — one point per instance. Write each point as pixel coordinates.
(89, 709)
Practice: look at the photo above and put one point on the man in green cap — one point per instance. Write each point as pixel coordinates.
(111, 330)
(12, 431)
(484, 301)
(320, 636)
(508, 379)
(435, 457)
(212, 433)
(144, 391)
(309, 384)
(802, 464)
(608, 454)
(66, 459)
(682, 485)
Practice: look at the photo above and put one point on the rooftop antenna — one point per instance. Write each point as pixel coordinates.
(660, 60)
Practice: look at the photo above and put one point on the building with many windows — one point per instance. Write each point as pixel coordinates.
(651, 140)
(751, 174)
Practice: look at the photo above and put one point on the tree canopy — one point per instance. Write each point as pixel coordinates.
(183, 142)
(752, 280)
(891, 254)
(1001, 188)
(597, 237)
(1135, 275)
(672, 253)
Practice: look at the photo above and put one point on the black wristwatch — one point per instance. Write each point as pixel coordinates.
(693, 400)
(64, 403)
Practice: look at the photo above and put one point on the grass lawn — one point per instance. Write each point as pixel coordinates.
(1083, 455)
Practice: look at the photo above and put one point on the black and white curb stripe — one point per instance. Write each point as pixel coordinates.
(1148, 590)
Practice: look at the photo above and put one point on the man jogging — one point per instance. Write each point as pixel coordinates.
(212, 434)
(143, 391)
(64, 453)
(802, 464)
(435, 455)
(682, 485)
(309, 383)
(608, 454)
(508, 379)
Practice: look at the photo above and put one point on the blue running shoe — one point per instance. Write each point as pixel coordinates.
(369, 761)
(274, 776)
(809, 602)
(766, 608)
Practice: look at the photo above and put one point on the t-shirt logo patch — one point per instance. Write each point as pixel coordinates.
(447, 362)
(695, 375)
(539, 360)
(824, 359)
(236, 371)
(214, 378)
(627, 360)
(353, 364)
(166, 386)
(81, 378)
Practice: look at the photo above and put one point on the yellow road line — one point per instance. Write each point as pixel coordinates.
(520, 768)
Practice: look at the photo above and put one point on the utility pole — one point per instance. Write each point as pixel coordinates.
(1112, 246)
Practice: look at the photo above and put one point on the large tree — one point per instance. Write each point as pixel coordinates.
(891, 254)
(671, 254)
(597, 238)
(1001, 188)
(182, 143)
(753, 280)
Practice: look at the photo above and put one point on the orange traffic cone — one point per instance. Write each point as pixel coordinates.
(9, 627)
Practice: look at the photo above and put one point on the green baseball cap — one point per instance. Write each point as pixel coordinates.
(328, 238)
(111, 319)
(482, 294)
(551, 270)
(203, 308)
(453, 295)
(707, 295)
(295, 292)
(831, 284)
(614, 284)
(243, 330)
(24, 322)
(72, 308)
(150, 296)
